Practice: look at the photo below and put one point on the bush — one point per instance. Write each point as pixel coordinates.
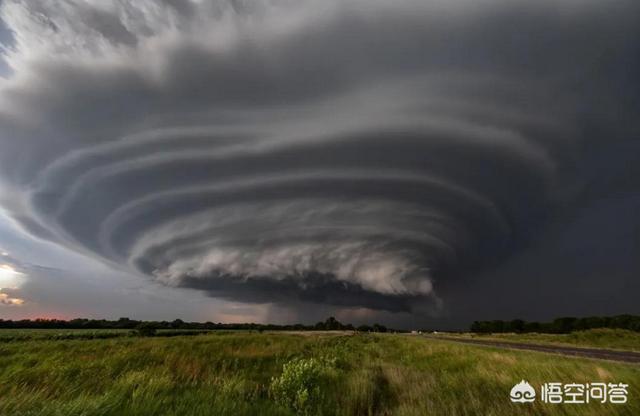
(146, 329)
(299, 387)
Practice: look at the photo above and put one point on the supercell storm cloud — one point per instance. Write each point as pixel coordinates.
(352, 153)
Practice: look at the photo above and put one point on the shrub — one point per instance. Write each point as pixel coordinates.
(146, 329)
(299, 387)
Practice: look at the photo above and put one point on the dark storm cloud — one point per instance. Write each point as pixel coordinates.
(349, 153)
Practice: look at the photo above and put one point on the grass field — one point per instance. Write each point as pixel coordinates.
(250, 373)
(11, 335)
(14, 335)
(616, 339)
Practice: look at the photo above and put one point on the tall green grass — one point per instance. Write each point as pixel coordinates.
(267, 374)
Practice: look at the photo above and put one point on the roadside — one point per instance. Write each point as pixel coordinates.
(597, 338)
(603, 354)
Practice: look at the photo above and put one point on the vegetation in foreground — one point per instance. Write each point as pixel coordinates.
(615, 339)
(250, 373)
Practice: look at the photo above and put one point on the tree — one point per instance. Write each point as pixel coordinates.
(379, 328)
(332, 324)
(146, 329)
(517, 325)
(564, 325)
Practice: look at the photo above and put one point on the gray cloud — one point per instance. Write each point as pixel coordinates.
(351, 153)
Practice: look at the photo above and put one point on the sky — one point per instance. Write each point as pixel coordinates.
(414, 163)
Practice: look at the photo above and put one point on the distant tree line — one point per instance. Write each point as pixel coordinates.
(560, 325)
(331, 324)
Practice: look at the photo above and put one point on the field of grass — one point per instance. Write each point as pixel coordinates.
(12, 335)
(9, 335)
(616, 339)
(251, 373)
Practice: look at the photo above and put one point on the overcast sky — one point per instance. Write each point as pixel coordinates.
(416, 163)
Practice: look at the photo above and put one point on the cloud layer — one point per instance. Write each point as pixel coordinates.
(354, 153)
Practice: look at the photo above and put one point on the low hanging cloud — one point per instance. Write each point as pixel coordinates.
(7, 300)
(353, 153)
